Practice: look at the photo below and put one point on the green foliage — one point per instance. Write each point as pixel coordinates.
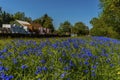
(98, 32)
(45, 21)
(109, 19)
(65, 27)
(37, 21)
(5, 18)
(21, 16)
(80, 29)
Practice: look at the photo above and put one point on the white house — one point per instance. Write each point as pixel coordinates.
(6, 26)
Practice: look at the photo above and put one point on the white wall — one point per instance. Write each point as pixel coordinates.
(6, 26)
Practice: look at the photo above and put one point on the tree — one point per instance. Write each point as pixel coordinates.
(80, 28)
(5, 17)
(111, 13)
(38, 20)
(99, 27)
(65, 28)
(21, 16)
(108, 22)
(46, 22)
(0, 16)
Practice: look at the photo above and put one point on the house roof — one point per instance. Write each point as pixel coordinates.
(25, 23)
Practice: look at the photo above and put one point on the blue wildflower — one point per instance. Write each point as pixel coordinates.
(86, 63)
(86, 71)
(39, 79)
(66, 68)
(111, 65)
(76, 45)
(93, 73)
(60, 59)
(73, 55)
(14, 61)
(0, 62)
(94, 66)
(1, 68)
(39, 70)
(71, 63)
(54, 45)
(43, 61)
(108, 60)
(44, 68)
(63, 75)
(24, 66)
(2, 57)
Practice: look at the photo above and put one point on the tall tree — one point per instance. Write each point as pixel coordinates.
(65, 27)
(38, 20)
(22, 16)
(109, 18)
(111, 13)
(80, 28)
(47, 22)
(19, 15)
(5, 18)
(0, 16)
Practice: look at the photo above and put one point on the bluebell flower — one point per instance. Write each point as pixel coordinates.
(76, 45)
(2, 57)
(108, 60)
(24, 66)
(39, 79)
(73, 55)
(11, 77)
(63, 53)
(89, 54)
(60, 59)
(1, 68)
(85, 71)
(54, 45)
(63, 75)
(0, 62)
(86, 63)
(93, 74)
(2, 75)
(68, 78)
(71, 63)
(4, 50)
(14, 61)
(44, 68)
(43, 61)
(94, 66)
(66, 68)
(104, 54)
(40, 69)
(111, 65)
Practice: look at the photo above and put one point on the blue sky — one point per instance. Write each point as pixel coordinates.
(59, 10)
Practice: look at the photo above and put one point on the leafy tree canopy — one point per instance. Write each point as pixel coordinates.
(65, 27)
(80, 28)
